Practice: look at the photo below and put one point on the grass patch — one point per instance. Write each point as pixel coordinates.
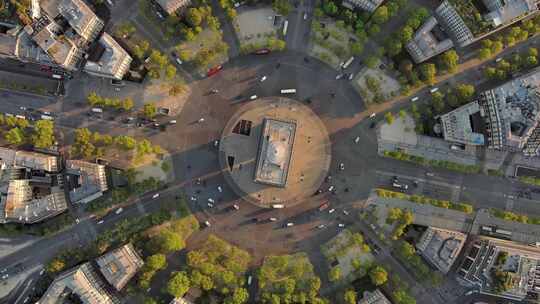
(514, 217)
(420, 199)
(434, 163)
(530, 180)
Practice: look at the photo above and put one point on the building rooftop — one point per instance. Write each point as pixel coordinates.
(119, 265)
(428, 41)
(368, 5)
(453, 24)
(81, 283)
(59, 48)
(29, 190)
(79, 16)
(457, 125)
(275, 149)
(374, 297)
(502, 12)
(88, 180)
(114, 61)
(441, 247)
(171, 6)
(512, 114)
(489, 255)
(8, 45)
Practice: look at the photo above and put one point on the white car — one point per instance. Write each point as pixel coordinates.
(253, 97)
(155, 196)
(414, 99)
(207, 223)
(290, 224)
(273, 219)
(100, 222)
(178, 61)
(119, 210)
(172, 122)
(433, 90)
(372, 115)
(77, 220)
(341, 225)
(236, 207)
(339, 76)
(331, 210)
(216, 143)
(305, 16)
(341, 166)
(219, 189)
(331, 188)
(351, 76)
(263, 78)
(357, 139)
(210, 205)
(211, 200)
(345, 212)
(321, 226)
(193, 198)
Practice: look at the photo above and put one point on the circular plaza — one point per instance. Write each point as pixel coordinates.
(275, 152)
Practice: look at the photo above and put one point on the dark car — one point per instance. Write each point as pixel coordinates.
(372, 125)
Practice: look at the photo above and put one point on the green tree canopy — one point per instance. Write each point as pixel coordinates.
(15, 136)
(378, 275)
(178, 284)
(43, 135)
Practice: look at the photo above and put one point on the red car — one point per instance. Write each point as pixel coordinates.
(262, 52)
(214, 70)
(324, 206)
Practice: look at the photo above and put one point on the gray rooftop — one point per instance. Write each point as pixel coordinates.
(120, 265)
(275, 149)
(503, 12)
(113, 63)
(425, 43)
(91, 180)
(456, 125)
(441, 247)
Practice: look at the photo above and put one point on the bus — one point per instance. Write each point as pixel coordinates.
(288, 91)
(285, 25)
(348, 62)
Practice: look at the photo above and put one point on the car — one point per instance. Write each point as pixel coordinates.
(351, 76)
(77, 220)
(331, 210)
(345, 212)
(372, 125)
(155, 196)
(430, 174)
(253, 97)
(147, 59)
(178, 60)
(193, 198)
(160, 15)
(210, 205)
(214, 70)
(273, 219)
(236, 207)
(22, 108)
(498, 59)
(211, 200)
(357, 139)
(372, 115)
(262, 51)
(289, 224)
(119, 210)
(434, 90)
(305, 16)
(100, 222)
(219, 189)
(331, 188)
(172, 122)
(214, 91)
(324, 206)
(263, 78)
(321, 226)
(42, 272)
(341, 225)
(5, 276)
(249, 279)
(341, 166)
(216, 143)
(414, 99)
(207, 223)
(339, 76)
(117, 89)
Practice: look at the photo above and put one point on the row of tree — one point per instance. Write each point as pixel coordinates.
(40, 135)
(94, 100)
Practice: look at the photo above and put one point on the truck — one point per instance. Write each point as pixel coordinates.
(348, 62)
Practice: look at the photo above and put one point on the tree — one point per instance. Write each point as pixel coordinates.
(125, 142)
(389, 118)
(484, 53)
(176, 89)
(127, 104)
(185, 55)
(170, 71)
(150, 301)
(231, 13)
(283, 7)
(532, 52)
(167, 241)
(178, 284)
(149, 110)
(156, 262)
(55, 265)
(371, 61)
(43, 135)
(381, 15)
(402, 297)
(464, 92)
(15, 136)
(94, 99)
(531, 61)
(350, 297)
(406, 34)
(378, 275)
(449, 61)
(334, 274)
(330, 8)
(156, 57)
(428, 71)
(194, 16)
(357, 48)
(239, 296)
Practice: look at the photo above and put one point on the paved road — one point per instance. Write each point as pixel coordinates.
(297, 37)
